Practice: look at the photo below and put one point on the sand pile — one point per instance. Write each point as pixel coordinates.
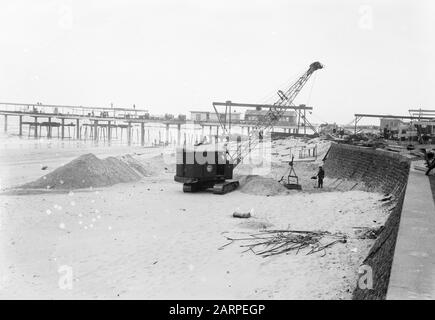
(89, 171)
(261, 186)
(159, 164)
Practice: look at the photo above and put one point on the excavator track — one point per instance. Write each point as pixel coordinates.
(190, 187)
(225, 187)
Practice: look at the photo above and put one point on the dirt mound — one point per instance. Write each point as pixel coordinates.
(261, 186)
(89, 171)
(160, 164)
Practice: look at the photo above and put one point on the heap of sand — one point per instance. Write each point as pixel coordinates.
(89, 171)
(262, 186)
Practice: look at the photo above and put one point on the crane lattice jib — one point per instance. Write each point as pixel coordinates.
(273, 115)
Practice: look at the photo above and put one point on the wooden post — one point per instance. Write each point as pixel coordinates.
(63, 129)
(78, 129)
(167, 133)
(21, 126)
(49, 128)
(6, 123)
(142, 134)
(96, 130)
(129, 133)
(36, 127)
(109, 131)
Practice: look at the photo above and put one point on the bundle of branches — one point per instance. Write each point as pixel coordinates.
(272, 242)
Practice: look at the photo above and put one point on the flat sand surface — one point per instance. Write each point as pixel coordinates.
(149, 240)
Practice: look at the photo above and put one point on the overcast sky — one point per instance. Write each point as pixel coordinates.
(176, 56)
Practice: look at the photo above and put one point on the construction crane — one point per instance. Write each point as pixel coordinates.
(274, 113)
(200, 169)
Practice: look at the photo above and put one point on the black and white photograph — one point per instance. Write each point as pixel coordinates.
(205, 150)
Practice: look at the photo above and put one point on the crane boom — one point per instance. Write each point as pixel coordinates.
(275, 112)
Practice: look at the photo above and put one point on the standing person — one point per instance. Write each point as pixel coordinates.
(320, 176)
(430, 161)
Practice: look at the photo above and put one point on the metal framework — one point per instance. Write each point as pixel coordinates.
(422, 113)
(274, 113)
(359, 116)
(229, 104)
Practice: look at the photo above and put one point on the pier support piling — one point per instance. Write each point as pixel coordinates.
(95, 130)
(129, 133)
(142, 134)
(63, 129)
(36, 128)
(178, 134)
(167, 134)
(20, 126)
(49, 128)
(78, 129)
(109, 131)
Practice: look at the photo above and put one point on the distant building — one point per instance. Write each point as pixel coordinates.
(254, 115)
(199, 115)
(212, 116)
(407, 131)
(390, 124)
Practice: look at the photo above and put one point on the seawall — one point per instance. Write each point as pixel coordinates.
(378, 171)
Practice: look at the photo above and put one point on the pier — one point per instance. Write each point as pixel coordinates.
(127, 125)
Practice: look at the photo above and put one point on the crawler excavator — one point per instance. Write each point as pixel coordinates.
(211, 166)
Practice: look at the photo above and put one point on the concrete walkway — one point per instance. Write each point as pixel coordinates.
(413, 270)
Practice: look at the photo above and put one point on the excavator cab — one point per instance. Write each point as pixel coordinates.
(203, 167)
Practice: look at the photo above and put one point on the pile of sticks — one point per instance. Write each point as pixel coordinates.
(268, 243)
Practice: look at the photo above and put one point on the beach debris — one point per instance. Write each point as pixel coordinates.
(44, 167)
(368, 232)
(243, 215)
(386, 198)
(268, 243)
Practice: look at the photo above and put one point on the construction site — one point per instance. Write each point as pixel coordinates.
(229, 230)
(208, 192)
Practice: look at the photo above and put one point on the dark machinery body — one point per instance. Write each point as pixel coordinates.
(199, 168)
(203, 169)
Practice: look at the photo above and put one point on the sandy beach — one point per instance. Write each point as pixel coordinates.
(149, 240)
